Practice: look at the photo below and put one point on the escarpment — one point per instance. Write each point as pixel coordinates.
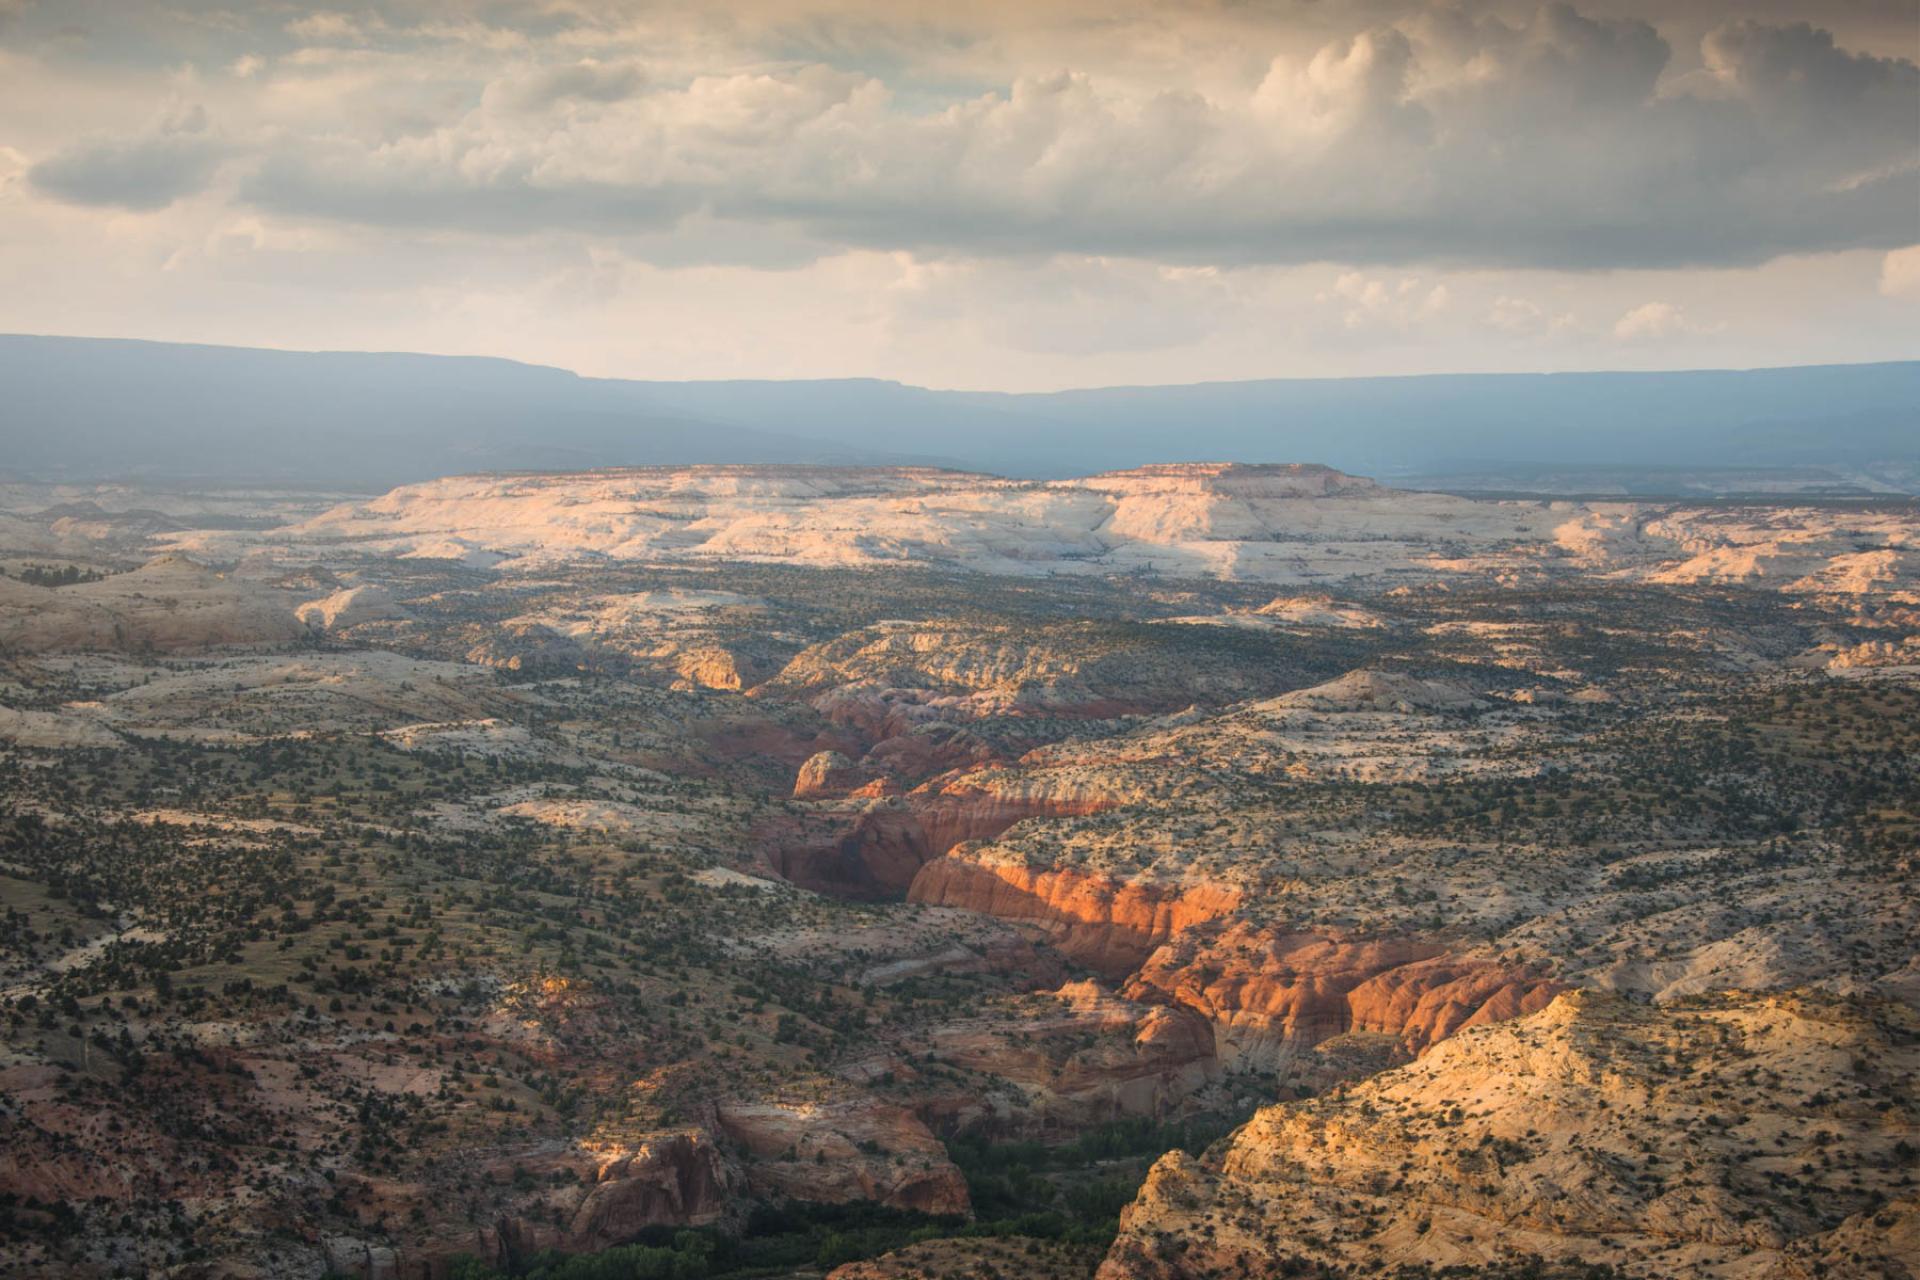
(1271, 995)
(877, 849)
(985, 806)
(1109, 925)
(575, 1199)
(1268, 994)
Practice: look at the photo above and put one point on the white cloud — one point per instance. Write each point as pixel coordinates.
(1523, 316)
(1368, 302)
(1659, 320)
(334, 27)
(1900, 273)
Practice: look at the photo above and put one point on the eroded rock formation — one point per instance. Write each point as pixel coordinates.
(833, 1152)
(1271, 995)
(1678, 1142)
(1109, 925)
(617, 1193)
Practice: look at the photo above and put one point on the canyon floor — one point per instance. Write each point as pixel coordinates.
(1197, 871)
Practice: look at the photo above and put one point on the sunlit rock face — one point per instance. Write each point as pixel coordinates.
(1286, 524)
(349, 607)
(1272, 995)
(1108, 925)
(1594, 1131)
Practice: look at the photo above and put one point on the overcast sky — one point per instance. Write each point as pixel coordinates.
(999, 195)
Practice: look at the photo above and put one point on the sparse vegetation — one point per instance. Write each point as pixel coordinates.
(443, 922)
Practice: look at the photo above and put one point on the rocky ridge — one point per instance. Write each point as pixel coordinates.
(1713, 1138)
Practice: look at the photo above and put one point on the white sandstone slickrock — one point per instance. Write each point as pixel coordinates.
(349, 607)
(1284, 524)
(171, 603)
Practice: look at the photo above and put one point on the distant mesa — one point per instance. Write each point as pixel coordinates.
(92, 409)
(1311, 528)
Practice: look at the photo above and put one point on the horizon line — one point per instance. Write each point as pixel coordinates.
(966, 391)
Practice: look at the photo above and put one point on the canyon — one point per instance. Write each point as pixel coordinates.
(886, 866)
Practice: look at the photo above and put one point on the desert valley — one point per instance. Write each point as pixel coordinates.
(886, 872)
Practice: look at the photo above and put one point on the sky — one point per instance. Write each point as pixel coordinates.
(996, 195)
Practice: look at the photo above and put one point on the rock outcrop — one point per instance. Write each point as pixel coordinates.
(349, 607)
(825, 773)
(1272, 995)
(676, 1180)
(1387, 691)
(878, 848)
(1299, 525)
(1707, 1139)
(1109, 925)
(834, 1152)
(531, 647)
(888, 679)
(1319, 611)
(49, 730)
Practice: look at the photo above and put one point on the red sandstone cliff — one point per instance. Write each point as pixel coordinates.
(1271, 994)
(878, 851)
(1111, 926)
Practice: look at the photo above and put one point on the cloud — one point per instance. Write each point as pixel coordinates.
(334, 27)
(1900, 273)
(140, 174)
(1655, 320)
(1784, 68)
(587, 80)
(1434, 138)
(1369, 303)
(1516, 315)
